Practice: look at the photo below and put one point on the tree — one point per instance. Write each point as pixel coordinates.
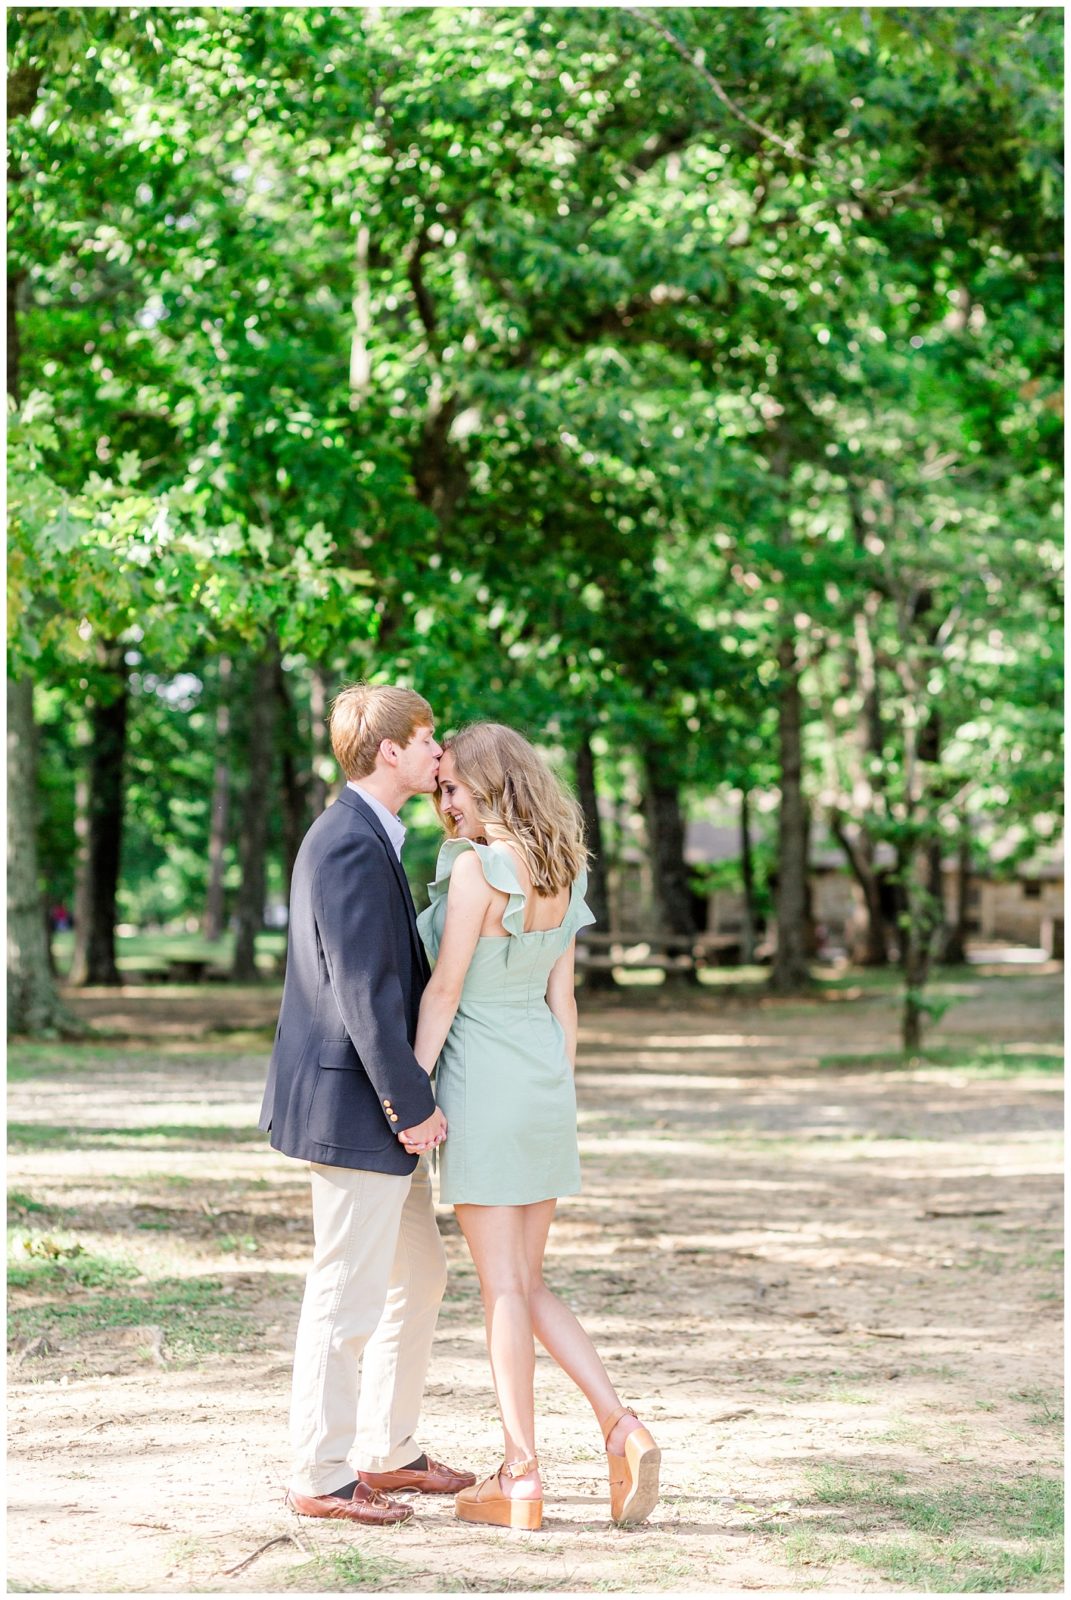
(546, 361)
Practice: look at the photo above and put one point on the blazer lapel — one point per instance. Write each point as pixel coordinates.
(350, 798)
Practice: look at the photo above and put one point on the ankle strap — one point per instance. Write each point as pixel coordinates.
(608, 1424)
(517, 1469)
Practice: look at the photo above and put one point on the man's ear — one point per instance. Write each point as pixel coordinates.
(389, 751)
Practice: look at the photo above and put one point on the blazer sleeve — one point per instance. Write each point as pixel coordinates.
(360, 947)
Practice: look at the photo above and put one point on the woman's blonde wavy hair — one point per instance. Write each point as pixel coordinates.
(521, 802)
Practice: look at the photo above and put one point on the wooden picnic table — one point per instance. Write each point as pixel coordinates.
(187, 969)
(664, 952)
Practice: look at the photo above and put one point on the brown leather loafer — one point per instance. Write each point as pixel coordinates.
(367, 1506)
(432, 1479)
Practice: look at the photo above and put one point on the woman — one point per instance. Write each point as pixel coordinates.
(498, 1018)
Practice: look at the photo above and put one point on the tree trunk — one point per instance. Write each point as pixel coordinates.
(871, 949)
(923, 924)
(321, 747)
(948, 935)
(80, 915)
(934, 859)
(295, 819)
(666, 831)
(256, 810)
(870, 731)
(791, 970)
(33, 1002)
(212, 922)
(747, 877)
(94, 933)
(954, 951)
(598, 890)
(923, 910)
(15, 281)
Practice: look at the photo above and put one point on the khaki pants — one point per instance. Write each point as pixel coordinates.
(373, 1292)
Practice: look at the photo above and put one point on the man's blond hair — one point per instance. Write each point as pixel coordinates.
(364, 714)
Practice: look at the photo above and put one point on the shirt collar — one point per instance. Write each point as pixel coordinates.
(394, 827)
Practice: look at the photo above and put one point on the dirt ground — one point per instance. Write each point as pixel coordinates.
(813, 1281)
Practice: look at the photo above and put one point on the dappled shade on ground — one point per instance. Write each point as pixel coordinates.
(829, 1283)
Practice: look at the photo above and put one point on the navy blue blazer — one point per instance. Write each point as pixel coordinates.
(343, 1078)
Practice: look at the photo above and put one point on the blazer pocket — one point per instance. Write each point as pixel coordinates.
(339, 1053)
(344, 1110)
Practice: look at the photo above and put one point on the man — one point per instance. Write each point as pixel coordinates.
(346, 1094)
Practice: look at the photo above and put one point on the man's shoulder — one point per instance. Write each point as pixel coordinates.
(342, 829)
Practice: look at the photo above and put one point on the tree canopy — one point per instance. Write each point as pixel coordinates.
(683, 386)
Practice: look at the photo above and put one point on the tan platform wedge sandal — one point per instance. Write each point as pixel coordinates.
(634, 1475)
(485, 1502)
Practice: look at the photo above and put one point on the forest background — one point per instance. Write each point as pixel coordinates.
(681, 386)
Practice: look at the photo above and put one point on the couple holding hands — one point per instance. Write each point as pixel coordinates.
(363, 1026)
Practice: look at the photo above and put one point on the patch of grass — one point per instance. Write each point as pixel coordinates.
(47, 1262)
(237, 1244)
(1049, 1404)
(370, 1569)
(871, 980)
(805, 1548)
(365, 1569)
(28, 1061)
(1030, 1504)
(1045, 1259)
(136, 952)
(906, 1432)
(198, 1316)
(955, 1548)
(975, 1060)
(52, 1136)
(24, 1205)
(963, 1566)
(184, 1550)
(517, 1583)
(986, 1261)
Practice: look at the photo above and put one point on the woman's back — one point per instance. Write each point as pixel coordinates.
(504, 1079)
(512, 958)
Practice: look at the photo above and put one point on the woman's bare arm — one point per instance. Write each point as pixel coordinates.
(561, 998)
(467, 901)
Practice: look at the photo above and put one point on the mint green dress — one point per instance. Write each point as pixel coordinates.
(503, 1077)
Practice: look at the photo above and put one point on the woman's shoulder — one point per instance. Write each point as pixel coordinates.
(466, 862)
(466, 867)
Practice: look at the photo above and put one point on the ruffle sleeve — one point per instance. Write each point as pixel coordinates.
(579, 914)
(497, 869)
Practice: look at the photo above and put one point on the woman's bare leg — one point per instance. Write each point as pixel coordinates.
(495, 1237)
(560, 1333)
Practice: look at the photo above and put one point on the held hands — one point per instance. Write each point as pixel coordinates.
(425, 1136)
